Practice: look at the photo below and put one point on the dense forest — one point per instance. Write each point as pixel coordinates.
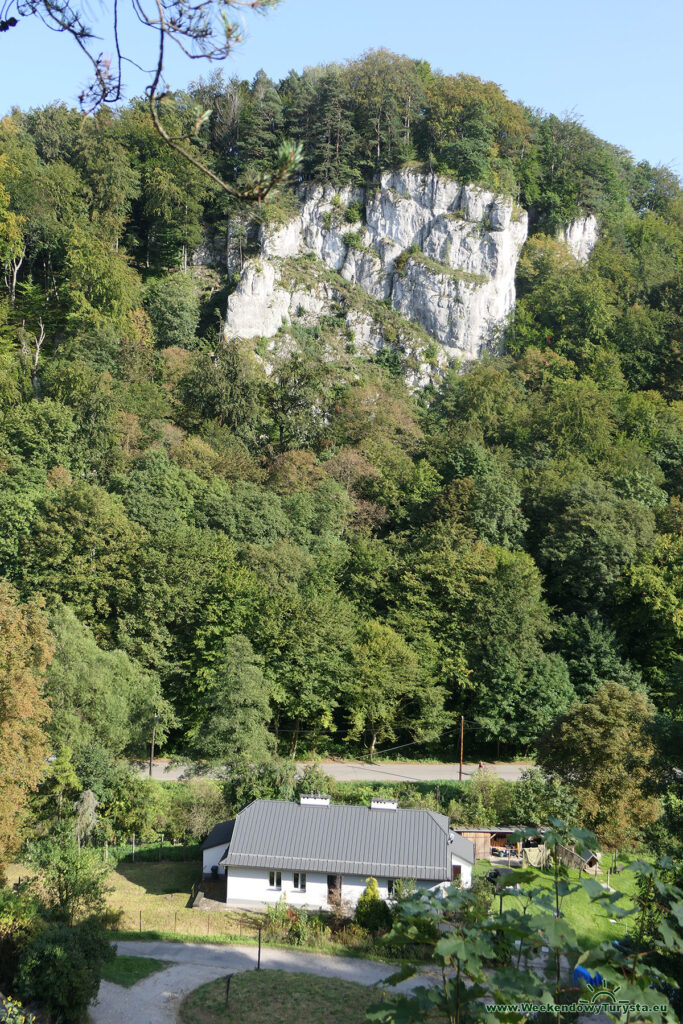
(314, 558)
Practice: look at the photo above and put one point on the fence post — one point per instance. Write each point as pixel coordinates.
(133, 847)
(161, 845)
(175, 922)
(258, 962)
(140, 920)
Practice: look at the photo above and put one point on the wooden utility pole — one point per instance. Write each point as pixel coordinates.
(462, 731)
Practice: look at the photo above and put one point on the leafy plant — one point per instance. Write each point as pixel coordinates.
(488, 963)
(354, 212)
(62, 969)
(12, 1012)
(353, 240)
(372, 912)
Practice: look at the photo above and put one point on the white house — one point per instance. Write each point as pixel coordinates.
(215, 847)
(313, 850)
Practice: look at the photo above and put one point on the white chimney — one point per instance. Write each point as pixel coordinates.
(376, 804)
(314, 798)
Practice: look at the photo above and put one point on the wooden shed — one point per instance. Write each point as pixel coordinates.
(489, 840)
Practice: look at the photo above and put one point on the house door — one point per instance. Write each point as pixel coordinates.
(456, 872)
(334, 887)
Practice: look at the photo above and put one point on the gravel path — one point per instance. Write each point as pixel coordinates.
(155, 1000)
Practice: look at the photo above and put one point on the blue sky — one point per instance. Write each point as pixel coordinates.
(616, 63)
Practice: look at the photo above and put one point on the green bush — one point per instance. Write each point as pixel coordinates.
(353, 213)
(404, 888)
(12, 1012)
(62, 967)
(353, 240)
(372, 912)
(20, 923)
(278, 916)
(300, 928)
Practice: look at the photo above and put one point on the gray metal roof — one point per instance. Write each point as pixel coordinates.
(462, 848)
(220, 835)
(342, 839)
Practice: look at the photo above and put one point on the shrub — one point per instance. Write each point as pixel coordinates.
(353, 240)
(404, 888)
(74, 880)
(353, 213)
(278, 915)
(20, 923)
(340, 911)
(300, 927)
(12, 1012)
(371, 910)
(62, 968)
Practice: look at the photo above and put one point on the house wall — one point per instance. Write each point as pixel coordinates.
(465, 870)
(211, 856)
(251, 885)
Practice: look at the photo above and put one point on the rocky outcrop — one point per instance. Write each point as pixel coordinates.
(444, 255)
(581, 236)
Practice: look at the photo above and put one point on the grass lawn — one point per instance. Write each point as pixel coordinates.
(126, 970)
(589, 920)
(279, 997)
(153, 897)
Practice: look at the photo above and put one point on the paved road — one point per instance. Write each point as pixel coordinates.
(361, 771)
(414, 771)
(155, 1000)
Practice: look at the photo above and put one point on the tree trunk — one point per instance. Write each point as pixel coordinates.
(15, 267)
(295, 738)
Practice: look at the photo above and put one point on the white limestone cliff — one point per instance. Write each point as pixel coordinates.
(581, 236)
(443, 254)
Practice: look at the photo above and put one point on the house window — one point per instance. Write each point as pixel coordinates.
(390, 887)
(300, 881)
(275, 880)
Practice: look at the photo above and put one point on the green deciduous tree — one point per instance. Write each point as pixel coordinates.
(73, 878)
(99, 696)
(25, 652)
(386, 691)
(231, 707)
(173, 307)
(602, 749)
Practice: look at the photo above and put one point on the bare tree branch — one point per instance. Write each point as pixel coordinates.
(202, 31)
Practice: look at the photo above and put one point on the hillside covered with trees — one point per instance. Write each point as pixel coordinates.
(315, 558)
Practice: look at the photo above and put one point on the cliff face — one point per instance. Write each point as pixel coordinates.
(442, 255)
(581, 236)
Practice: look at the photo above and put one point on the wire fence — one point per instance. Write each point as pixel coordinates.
(132, 851)
(187, 921)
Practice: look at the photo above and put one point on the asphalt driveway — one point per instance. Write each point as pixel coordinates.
(156, 999)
